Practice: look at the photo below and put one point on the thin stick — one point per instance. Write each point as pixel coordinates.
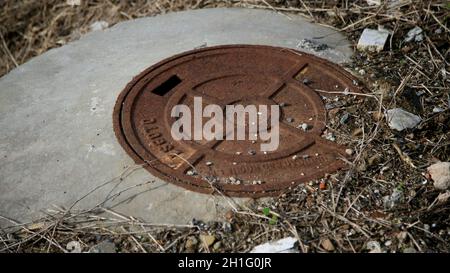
(7, 50)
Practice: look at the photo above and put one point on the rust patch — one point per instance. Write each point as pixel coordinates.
(226, 75)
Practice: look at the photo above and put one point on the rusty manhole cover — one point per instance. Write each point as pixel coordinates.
(228, 75)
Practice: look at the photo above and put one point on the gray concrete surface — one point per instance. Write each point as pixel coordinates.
(57, 143)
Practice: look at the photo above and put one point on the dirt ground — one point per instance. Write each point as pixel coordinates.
(384, 202)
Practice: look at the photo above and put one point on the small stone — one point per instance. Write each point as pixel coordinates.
(282, 104)
(344, 118)
(362, 166)
(373, 247)
(217, 245)
(207, 239)
(238, 153)
(373, 2)
(410, 250)
(333, 105)
(327, 245)
(443, 197)
(208, 163)
(73, 2)
(227, 227)
(440, 173)
(289, 120)
(438, 110)
(357, 132)
(305, 156)
(304, 127)
(294, 157)
(377, 116)
(392, 200)
(349, 151)
(103, 247)
(251, 152)
(191, 172)
(330, 137)
(191, 242)
(400, 119)
(98, 25)
(372, 40)
(401, 236)
(331, 13)
(388, 243)
(229, 215)
(73, 247)
(415, 34)
(306, 81)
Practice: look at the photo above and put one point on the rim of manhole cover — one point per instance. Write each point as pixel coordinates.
(224, 75)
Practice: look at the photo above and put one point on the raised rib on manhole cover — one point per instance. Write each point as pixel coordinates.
(237, 74)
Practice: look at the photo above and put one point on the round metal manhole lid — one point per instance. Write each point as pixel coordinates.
(232, 75)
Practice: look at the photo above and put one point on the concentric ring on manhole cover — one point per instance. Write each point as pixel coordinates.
(225, 75)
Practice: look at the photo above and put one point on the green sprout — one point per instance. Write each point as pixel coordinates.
(274, 218)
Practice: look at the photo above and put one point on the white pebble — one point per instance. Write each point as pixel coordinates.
(349, 151)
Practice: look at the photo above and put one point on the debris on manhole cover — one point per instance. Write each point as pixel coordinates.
(231, 75)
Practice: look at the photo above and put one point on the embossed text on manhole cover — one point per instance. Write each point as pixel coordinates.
(231, 75)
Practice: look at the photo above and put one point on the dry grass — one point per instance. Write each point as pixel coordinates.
(350, 211)
(30, 28)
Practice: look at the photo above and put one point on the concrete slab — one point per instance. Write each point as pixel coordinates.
(57, 143)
